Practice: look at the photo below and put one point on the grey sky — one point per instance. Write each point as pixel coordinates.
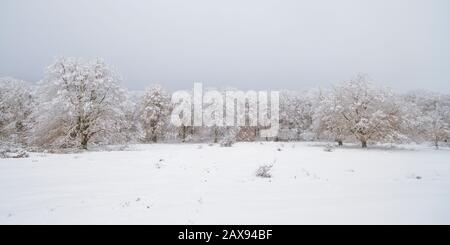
(256, 44)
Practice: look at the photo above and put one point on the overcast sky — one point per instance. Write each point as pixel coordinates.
(258, 44)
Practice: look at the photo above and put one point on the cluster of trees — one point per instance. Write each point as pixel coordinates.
(80, 103)
(357, 110)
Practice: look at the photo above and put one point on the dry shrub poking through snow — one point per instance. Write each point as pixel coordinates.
(328, 148)
(264, 171)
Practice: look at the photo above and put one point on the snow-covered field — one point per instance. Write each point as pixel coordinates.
(201, 184)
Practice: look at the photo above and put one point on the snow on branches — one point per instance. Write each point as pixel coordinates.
(154, 110)
(79, 102)
(360, 110)
(431, 116)
(16, 105)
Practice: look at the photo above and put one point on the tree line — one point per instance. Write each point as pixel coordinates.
(81, 103)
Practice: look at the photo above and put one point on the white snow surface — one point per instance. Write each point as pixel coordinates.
(202, 184)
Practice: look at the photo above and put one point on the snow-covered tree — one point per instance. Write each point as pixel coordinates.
(154, 110)
(296, 113)
(366, 112)
(16, 104)
(130, 130)
(432, 116)
(79, 102)
(328, 120)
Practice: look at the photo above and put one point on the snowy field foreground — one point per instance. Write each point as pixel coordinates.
(201, 184)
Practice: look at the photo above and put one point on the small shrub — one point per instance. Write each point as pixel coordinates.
(328, 148)
(264, 171)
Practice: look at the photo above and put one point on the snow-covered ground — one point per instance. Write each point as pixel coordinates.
(201, 184)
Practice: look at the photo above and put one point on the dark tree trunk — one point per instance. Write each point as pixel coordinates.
(153, 137)
(364, 144)
(183, 133)
(84, 141)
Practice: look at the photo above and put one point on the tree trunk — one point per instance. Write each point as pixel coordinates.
(84, 141)
(216, 135)
(152, 136)
(436, 144)
(183, 133)
(364, 143)
(340, 143)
